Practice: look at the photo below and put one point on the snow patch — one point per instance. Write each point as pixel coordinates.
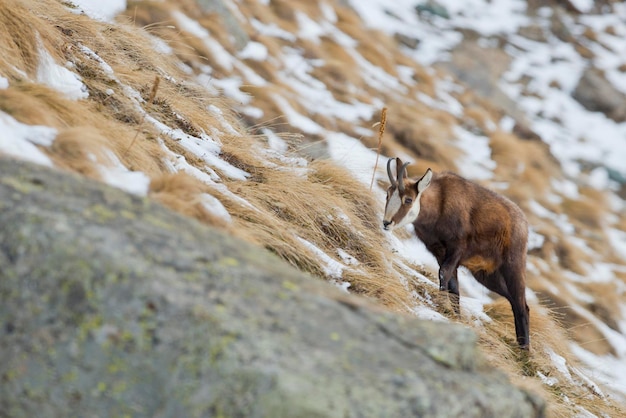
(20, 140)
(215, 207)
(101, 10)
(476, 163)
(59, 78)
(254, 51)
(331, 267)
(351, 154)
(117, 175)
(222, 57)
(204, 147)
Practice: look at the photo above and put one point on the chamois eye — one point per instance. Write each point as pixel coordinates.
(408, 201)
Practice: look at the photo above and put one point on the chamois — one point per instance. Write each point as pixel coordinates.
(462, 223)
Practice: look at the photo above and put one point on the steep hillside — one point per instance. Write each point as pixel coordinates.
(259, 117)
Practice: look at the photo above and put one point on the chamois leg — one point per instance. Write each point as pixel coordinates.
(514, 279)
(448, 277)
(453, 290)
(522, 326)
(508, 282)
(505, 283)
(448, 268)
(494, 282)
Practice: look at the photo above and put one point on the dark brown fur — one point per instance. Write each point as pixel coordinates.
(462, 223)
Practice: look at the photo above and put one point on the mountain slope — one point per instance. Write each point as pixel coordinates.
(258, 117)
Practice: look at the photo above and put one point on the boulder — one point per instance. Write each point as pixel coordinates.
(112, 305)
(595, 93)
(467, 64)
(231, 23)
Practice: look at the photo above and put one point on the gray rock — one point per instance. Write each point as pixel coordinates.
(111, 305)
(432, 8)
(407, 41)
(232, 25)
(597, 94)
(481, 68)
(533, 32)
(558, 25)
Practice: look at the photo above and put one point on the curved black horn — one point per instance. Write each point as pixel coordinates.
(401, 177)
(391, 179)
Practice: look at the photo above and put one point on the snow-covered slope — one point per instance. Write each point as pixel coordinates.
(308, 82)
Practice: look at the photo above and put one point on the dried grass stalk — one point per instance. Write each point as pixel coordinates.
(381, 132)
(153, 92)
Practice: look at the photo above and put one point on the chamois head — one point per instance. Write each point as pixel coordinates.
(403, 196)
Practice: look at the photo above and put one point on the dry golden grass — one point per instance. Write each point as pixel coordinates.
(35, 104)
(478, 118)
(322, 205)
(377, 54)
(145, 13)
(337, 54)
(526, 163)
(183, 193)
(585, 212)
(77, 149)
(110, 122)
(608, 302)
(344, 219)
(284, 11)
(157, 19)
(578, 327)
(28, 26)
(425, 133)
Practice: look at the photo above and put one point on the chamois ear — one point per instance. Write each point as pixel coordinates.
(424, 182)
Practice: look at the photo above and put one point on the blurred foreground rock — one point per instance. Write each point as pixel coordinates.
(111, 305)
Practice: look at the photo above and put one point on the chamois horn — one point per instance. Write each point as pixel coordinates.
(401, 175)
(391, 179)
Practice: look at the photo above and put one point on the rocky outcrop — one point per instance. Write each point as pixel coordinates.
(597, 94)
(111, 305)
(467, 64)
